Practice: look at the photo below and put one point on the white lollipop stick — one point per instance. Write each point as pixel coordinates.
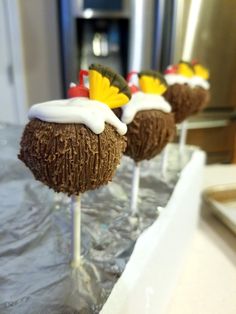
(183, 136)
(135, 188)
(76, 231)
(164, 159)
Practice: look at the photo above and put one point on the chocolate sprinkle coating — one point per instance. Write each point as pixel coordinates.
(201, 98)
(70, 158)
(181, 99)
(148, 133)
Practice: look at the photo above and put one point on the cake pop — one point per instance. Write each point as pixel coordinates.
(150, 123)
(201, 86)
(148, 116)
(74, 145)
(179, 92)
(187, 89)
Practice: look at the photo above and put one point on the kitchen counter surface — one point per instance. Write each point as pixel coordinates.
(208, 281)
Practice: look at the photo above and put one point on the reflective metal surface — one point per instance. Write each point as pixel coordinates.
(141, 35)
(82, 9)
(35, 231)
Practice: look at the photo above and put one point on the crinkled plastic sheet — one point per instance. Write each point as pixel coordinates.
(35, 232)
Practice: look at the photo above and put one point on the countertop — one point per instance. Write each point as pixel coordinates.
(208, 282)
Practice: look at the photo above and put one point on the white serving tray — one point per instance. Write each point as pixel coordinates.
(147, 283)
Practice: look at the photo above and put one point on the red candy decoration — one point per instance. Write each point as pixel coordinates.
(79, 90)
(133, 88)
(171, 69)
(194, 61)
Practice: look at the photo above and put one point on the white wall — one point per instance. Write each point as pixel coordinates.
(29, 48)
(8, 112)
(41, 54)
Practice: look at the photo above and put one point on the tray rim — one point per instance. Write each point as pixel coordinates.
(212, 203)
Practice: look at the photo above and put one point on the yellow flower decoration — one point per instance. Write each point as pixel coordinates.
(107, 86)
(152, 82)
(185, 69)
(201, 71)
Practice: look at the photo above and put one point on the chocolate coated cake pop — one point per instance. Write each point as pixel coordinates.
(201, 86)
(75, 145)
(186, 90)
(150, 123)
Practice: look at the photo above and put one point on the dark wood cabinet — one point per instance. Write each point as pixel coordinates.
(217, 142)
(215, 133)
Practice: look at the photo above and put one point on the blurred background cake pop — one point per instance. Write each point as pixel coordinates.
(188, 89)
(150, 123)
(179, 91)
(201, 86)
(148, 117)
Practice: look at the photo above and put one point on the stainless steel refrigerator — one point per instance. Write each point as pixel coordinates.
(144, 34)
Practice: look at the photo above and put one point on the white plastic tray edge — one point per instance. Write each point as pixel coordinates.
(148, 280)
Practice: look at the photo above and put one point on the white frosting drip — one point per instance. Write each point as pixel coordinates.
(199, 81)
(191, 81)
(142, 101)
(82, 110)
(173, 78)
